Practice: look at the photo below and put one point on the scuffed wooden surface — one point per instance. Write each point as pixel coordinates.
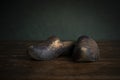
(15, 64)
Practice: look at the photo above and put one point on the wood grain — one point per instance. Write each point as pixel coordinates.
(15, 64)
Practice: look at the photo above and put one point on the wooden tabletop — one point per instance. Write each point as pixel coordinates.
(15, 64)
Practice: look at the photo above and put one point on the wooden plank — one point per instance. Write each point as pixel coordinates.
(16, 64)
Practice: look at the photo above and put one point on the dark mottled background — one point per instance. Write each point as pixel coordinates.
(68, 19)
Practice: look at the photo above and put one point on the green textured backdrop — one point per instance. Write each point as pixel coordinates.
(68, 19)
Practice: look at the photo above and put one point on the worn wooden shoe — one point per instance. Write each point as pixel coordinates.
(47, 50)
(86, 49)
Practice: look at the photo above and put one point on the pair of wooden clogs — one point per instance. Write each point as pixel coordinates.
(84, 49)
